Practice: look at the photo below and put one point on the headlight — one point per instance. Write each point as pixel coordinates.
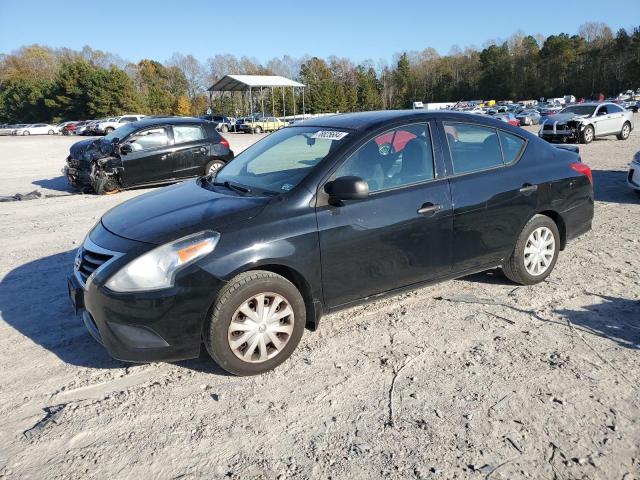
(157, 269)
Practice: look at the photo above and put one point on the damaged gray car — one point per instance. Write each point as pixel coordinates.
(148, 152)
(587, 121)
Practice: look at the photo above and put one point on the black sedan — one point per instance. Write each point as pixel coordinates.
(147, 152)
(319, 217)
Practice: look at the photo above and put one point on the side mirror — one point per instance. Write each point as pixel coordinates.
(126, 148)
(347, 188)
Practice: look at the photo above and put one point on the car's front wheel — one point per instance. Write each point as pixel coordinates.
(108, 130)
(588, 134)
(257, 130)
(224, 129)
(535, 253)
(625, 132)
(50, 132)
(256, 323)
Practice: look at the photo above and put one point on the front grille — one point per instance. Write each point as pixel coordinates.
(548, 126)
(90, 261)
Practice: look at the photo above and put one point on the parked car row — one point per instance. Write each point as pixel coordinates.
(25, 129)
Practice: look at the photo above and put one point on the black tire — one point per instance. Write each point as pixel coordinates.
(231, 297)
(106, 186)
(25, 133)
(625, 131)
(514, 267)
(224, 129)
(213, 163)
(588, 134)
(108, 130)
(257, 130)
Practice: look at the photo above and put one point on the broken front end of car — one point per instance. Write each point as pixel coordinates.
(90, 169)
(561, 132)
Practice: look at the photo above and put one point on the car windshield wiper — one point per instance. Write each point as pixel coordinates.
(232, 186)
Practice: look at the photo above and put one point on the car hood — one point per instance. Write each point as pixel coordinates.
(173, 212)
(565, 117)
(88, 150)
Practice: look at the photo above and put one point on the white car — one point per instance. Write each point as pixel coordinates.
(38, 129)
(111, 124)
(633, 178)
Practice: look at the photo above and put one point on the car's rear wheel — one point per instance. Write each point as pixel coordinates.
(255, 324)
(257, 130)
(26, 133)
(224, 129)
(108, 130)
(213, 166)
(535, 253)
(625, 132)
(50, 132)
(588, 134)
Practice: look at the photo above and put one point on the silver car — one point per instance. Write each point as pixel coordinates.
(587, 121)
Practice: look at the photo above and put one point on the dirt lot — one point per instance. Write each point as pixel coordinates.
(537, 382)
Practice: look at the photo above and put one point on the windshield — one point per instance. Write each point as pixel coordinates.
(121, 132)
(580, 109)
(283, 159)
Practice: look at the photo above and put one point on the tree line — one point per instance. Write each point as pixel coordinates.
(38, 83)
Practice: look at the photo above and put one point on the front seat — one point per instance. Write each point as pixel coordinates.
(416, 164)
(366, 164)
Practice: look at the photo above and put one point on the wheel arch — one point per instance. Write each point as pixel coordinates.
(313, 308)
(559, 221)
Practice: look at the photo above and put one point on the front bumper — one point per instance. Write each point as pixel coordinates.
(163, 325)
(633, 177)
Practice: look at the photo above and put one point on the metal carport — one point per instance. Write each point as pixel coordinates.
(249, 83)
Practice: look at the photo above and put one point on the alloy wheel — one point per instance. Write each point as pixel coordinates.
(261, 327)
(214, 167)
(539, 251)
(625, 131)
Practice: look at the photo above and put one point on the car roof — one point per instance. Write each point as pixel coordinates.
(368, 120)
(148, 121)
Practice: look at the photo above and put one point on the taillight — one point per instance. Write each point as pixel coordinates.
(583, 169)
(224, 143)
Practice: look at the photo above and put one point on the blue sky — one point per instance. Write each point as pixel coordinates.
(356, 29)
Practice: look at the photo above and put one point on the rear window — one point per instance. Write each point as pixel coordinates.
(187, 133)
(472, 147)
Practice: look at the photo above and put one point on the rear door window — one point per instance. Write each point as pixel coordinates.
(472, 147)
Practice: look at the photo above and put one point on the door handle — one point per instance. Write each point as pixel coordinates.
(164, 157)
(429, 209)
(528, 188)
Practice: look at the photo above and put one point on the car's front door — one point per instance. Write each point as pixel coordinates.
(400, 234)
(191, 150)
(492, 197)
(602, 121)
(147, 156)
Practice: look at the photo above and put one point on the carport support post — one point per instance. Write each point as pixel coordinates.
(284, 107)
(273, 108)
(250, 102)
(293, 97)
(303, 109)
(262, 101)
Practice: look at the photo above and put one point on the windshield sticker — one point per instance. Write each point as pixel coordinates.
(286, 187)
(330, 135)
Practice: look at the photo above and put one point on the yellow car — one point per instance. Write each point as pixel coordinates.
(266, 124)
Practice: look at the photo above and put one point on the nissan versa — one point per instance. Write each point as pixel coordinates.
(318, 217)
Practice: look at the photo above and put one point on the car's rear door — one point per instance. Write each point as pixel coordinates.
(191, 150)
(493, 195)
(401, 234)
(150, 159)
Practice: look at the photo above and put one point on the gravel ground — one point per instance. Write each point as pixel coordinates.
(534, 382)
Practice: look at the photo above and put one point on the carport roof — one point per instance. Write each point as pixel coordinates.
(238, 83)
